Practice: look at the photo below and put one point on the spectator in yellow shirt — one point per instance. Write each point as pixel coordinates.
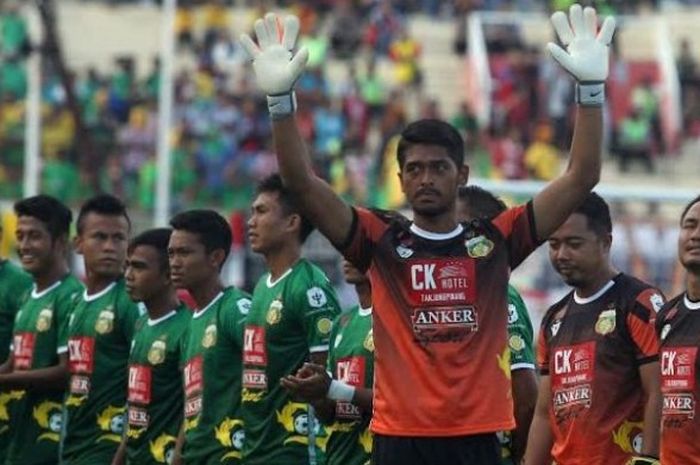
(542, 157)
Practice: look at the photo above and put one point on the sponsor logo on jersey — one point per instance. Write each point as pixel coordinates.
(156, 354)
(230, 434)
(665, 330)
(105, 321)
(512, 314)
(43, 322)
(274, 312)
(606, 322)
(139, 387)
(254, 349)
(437, 282)
(81, 354)
(678, 378)
(479, 247)
(254, 379)
(163, 448)
(137, 421)
(369, 341)
(49, 417)
(316, 297)
(656, 301)
(209, 338)
(403, 251)
(324, 326)
(445, 324)
(572, 379)
(194, 385)
(23, 350)
(350, 370)
(111, 424)
(243, 306)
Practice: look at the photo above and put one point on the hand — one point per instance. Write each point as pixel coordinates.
(276, 70)
(586, 56)
(310, 384)
(643, 460)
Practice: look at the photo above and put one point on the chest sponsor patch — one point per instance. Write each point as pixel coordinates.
(139, 384)
(254, 351)
(23, 345)
(350, 370)
(81, 354)
(572, 371)
(678, 379)
(194, 385)
(137, 417)
(254, 379)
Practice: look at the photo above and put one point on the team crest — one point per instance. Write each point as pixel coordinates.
(316, 297)
(606, 322)
(156, 354)
(665, 330)
(324, 326)
(209, 339)
(479, 247)
(105, 322)
(369, 341)
(516, 343)
(403, 251)
(274, 313)
(43, 323)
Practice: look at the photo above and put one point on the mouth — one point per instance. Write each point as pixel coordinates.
(428, 194)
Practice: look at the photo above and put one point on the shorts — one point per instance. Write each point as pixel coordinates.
(478, 449)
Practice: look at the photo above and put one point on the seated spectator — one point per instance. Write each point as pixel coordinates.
(542, 157)
(633, 140)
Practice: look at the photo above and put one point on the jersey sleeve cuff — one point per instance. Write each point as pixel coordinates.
(648, 359)
(316, 349)
(62, 350)
(522, 366)
(343, 246)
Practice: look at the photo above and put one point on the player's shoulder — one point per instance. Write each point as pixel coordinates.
(639, 294)
(389, 217)
(670, 309)
(235, 299)
(307, 273)
(72, 285)
(555, 308)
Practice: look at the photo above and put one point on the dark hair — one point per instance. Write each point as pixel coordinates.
(688, 207)
(158, 239)
(597, 213)
(50, 211)
(274, 184)
(482, 203)
(102, 204)
(431, 132)
(212, 229)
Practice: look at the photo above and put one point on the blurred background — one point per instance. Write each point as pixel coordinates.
(154, 101)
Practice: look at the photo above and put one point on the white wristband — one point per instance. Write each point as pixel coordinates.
(590, 94)
(338, 390)
(283, 105)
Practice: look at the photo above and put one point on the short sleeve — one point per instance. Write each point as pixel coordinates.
(64, 307)
(232, 318)
(316, 306)
(522, 354)
(542, 353)
(641, 325)
(367, 228)
(517, 226)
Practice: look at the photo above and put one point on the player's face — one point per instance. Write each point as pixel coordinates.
(689, 240)
(190, 264)
(576, 252)
(144, 276)
(429, 179)
(103, 244)
(352, 274)
(269, 227)
(35, 247)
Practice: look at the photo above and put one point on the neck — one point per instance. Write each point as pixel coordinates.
(279, 261)
(442, 223)
(162, 303)
(96, 283)
(364, 294)
(693, 283)
(595, 284)
(205, 293)
(57, 271)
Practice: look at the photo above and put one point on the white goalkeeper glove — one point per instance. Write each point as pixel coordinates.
(586, 55)
(276, 69)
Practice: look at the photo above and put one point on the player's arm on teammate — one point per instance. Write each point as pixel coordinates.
(277, 70)
(541, 438)
(120, 454)
(586, 59)
(524, 384)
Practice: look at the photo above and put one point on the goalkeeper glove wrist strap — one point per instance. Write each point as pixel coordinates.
(590, 94)
(282, 105)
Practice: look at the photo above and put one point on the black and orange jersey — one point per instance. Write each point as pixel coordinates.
(592, 348)
(440, 318)
(679, 331)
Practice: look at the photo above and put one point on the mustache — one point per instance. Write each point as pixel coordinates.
(427, 190)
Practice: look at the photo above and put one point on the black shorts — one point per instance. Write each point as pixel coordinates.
(478, 449)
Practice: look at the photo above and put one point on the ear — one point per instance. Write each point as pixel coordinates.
(217, 258)
(294, 222)
(78, 244)
(606, 241)
(463, 175)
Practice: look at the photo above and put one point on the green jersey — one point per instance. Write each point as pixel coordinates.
(522, 355)
(15, 285)
(212, 380)
(40, 334)
(289, 319)
(351, 360)
(100, 333)
(155, 396)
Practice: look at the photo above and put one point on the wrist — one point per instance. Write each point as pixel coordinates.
(282, 105)
(590, 93)
(340, 391)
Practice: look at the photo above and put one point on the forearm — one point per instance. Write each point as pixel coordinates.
(292, 154)
(652, 425)
(586, 149)
(539, 444)
(524, 400)
(179, 443)
(120, 455)
(325, 410)
(363, 399)
(43, 379)
(6, 367)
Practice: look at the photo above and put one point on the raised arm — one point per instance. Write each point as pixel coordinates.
(586, 59)
(276, 71)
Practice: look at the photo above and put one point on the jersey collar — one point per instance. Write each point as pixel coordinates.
(90, 297)
(364, 311)
(270, 283)
(588, 300)
(201, 312)
(690, 305)
(167, 316)
(39, 295)
(433, 236)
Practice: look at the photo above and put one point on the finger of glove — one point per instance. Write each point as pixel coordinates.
(296, 66)
(561, 56)
(606, 31)
(576, 19)
(291, 32)
(591, 22)
(272, 27)
(249, 46)
(264, 39)
(561, 25)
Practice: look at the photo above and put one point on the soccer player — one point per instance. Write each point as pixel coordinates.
(599, 400)
(345, 401)
(100, 334)
(679, 330)
(15, 285)
(155, 396)
(212, 430)
(36, 372)
(289, 323)
(475, 202)
(442, 387)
